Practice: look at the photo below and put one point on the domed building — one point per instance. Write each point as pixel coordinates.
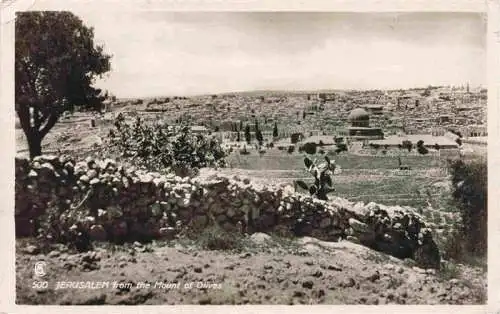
(359, 126)
(359, 118)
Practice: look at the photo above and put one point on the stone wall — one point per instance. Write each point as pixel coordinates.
(106, 201)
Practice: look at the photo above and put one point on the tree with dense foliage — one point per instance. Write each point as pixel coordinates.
(407, 145)
(159, 147)
(56, 63)
(470, 193)
(275, 130)
(259, 137)
(422, 150)
(248, 136)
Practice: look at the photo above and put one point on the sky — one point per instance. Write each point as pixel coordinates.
(159, 53)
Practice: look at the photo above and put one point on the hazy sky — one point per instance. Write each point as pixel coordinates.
(185, 53)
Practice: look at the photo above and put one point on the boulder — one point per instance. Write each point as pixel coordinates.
(97, 233)
(358, 226)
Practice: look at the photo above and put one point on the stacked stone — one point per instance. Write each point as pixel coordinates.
(111, 202)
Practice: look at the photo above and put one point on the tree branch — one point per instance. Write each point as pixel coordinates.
(51, 121)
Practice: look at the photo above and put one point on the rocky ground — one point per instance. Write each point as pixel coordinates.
(264, 270)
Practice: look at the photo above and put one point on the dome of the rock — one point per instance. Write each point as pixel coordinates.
(358, 114)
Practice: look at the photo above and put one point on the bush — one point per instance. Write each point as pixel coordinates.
(291, 149)
(322, 173)
(159, 147)
(310, 148)
(244, 151)
(341, 148)
(422, 150)
(216, 238)
(407, 145)
(470, 194)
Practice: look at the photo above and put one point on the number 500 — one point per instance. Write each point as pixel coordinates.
(40, 284)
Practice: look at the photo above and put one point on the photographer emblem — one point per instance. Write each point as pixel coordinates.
(40, 268)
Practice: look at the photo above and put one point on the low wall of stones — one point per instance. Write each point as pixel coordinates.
(108, 202)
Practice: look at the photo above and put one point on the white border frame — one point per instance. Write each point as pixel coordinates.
(7, 138)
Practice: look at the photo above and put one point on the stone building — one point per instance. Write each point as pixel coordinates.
(359, 127)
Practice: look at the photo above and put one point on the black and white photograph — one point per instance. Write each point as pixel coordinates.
(250, 157)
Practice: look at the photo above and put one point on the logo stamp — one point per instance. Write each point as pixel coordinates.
(40, 269)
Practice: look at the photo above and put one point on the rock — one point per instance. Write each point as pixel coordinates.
(167, 233)
(268, 266)
(246, 255)
(374, 277)
(348, 283)
(97, 233)
(31, 249)
(84, 178)
(308, 284)
(199, 221)
(389, 266)
(317, 274)
(325, 222)
(419, 270)
(260, 238)
(353, 239)
(138, 244)
(205, 300)
(358, 226)
(32, 174)
(454, 282)
(54, 254)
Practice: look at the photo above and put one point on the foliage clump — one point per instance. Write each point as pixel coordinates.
(470, 194)
(322, 174)
(158, 146)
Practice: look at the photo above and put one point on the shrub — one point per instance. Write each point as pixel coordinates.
(159, 147)
(216, 238)
(310, 148)
(341, 148)
(322, 178)
(244, 151)
(470, 194)
(422, 150)
(291, 149)
(407, 145)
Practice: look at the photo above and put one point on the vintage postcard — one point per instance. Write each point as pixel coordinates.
(248, 157)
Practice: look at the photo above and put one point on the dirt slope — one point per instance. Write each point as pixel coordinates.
(271, 271)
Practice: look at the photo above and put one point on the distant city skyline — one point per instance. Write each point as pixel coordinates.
(189, 53)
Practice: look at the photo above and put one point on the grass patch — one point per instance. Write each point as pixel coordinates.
(277, 160)
(449, 271)
(217, 239)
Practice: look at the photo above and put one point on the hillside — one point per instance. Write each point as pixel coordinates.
(265, 270)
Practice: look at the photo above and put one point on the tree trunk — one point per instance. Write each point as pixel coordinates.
(35, 145)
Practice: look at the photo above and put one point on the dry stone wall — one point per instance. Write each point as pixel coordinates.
(106, 201)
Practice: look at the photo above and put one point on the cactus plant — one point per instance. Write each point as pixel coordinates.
(322, 174)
